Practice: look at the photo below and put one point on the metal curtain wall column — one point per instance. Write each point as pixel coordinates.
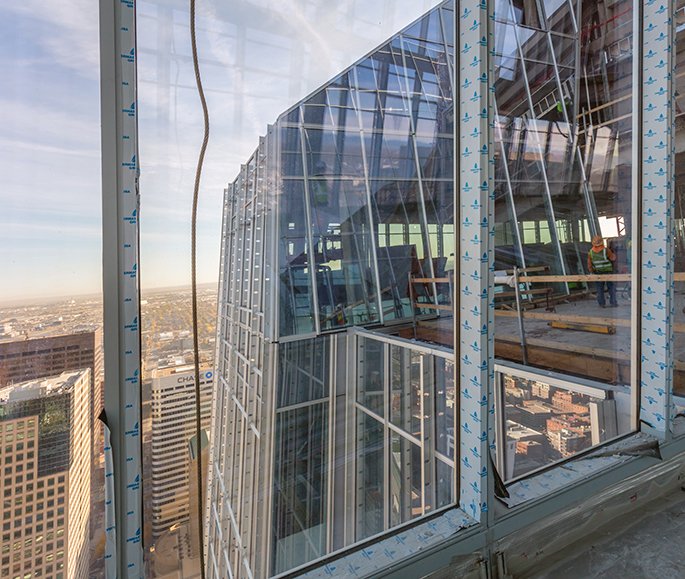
(551, 218)
(476, 249)
(657, 132)
(121, 305)
(417, 162)
(511, 202)
(570, 121)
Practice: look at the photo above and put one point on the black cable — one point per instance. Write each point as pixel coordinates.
(193, 235)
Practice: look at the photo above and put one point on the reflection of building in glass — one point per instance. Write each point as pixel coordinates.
(46, 478)
(544, 423)
(324, 435)
(335, 405)
(173, 423)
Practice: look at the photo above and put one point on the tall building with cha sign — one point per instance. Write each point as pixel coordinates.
(173, 424)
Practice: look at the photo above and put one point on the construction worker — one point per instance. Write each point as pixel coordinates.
(600, 260)
(319, 185)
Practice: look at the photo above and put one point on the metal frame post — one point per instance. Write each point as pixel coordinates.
(656, 143)
(476, 239)
(121, 305)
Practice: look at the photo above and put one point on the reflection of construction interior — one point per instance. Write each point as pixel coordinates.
(563, 157)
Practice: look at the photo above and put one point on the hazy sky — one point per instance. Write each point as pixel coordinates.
(257, 59)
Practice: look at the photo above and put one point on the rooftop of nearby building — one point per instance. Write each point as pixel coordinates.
(37, 388)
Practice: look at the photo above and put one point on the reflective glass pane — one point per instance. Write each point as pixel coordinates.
(445, 407)
(322, 437)
(295, 283)
(405, 480)
(405, 390)
(51, 337)
(544, 423)
(563, 162)
(300, 487)
(372, 365)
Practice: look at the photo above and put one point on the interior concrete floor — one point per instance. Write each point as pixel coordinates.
(646, 544)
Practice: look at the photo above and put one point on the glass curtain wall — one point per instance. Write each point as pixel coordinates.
(563, 201)
(51, 364)
(405, 434)
(366, 198)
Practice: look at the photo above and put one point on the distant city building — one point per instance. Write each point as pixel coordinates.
(532, 449)
(535, 416)
(543, 391)
(570, 401)
(568, 442)
(173, 423)
(45, 440)
(35, 358)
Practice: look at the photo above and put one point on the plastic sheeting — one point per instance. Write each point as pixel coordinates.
(573, 471)
(652, 546)
(383, 553)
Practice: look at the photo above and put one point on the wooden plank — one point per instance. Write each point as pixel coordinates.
(679, 276)
(601, 365)
(597, 328)
(595, 363)
(443, 307)
(430, 280)
(554, 299)
(523, 292)
(527, 269)
(584, 277)
(584, 350)
(600, 107)
(550, 317)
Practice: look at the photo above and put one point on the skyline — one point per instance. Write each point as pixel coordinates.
(256, 60)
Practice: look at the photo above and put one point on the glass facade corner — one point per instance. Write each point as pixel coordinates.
(448, 270)
(366, 199)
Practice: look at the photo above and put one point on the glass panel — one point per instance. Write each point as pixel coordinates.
(303, 372)
(51, 366)
(371, 362)
(299, 487)
(371, 444)
(546, 423)
(319, 443)
(405, 480)
(405, 390)
(418, 438)
(295, 283)
(445, 407)
(382, 132)
(563, 163)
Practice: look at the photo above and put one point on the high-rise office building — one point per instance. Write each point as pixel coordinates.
(45, 432)
(173, 424)
(35, 358)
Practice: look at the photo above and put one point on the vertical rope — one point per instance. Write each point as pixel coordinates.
(193, 260)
